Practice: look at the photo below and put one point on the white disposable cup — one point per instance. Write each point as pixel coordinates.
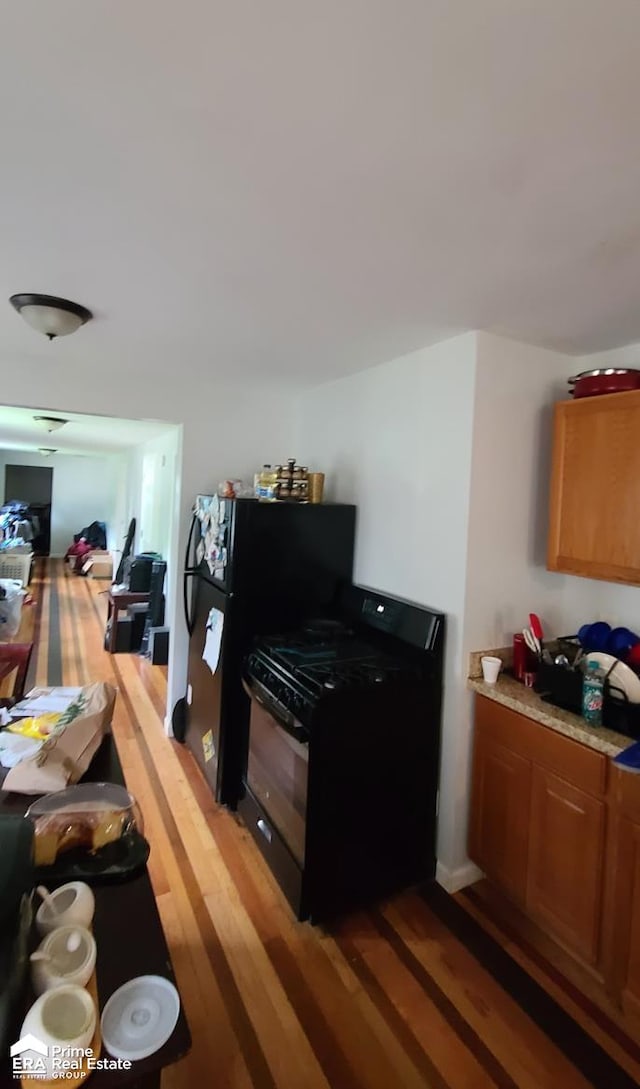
(490, 668)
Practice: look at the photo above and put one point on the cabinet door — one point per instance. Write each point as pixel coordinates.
(499, 822)
(566, 859)
(595, 488)
(627, 916)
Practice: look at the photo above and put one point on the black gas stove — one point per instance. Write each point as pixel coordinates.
(303, 668)
(341, 781)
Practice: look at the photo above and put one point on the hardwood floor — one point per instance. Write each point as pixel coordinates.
(412, 994)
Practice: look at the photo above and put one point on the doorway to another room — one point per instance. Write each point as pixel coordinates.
(29, 488)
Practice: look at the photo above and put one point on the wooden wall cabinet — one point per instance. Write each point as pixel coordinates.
(594, 529)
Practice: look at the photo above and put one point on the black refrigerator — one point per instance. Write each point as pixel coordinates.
(250, 568)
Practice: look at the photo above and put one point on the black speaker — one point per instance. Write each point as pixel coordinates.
(138, 614)
(155, 614)
(138, 571)
(123, 635)
(159, 646)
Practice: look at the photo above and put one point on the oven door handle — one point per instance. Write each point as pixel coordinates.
(281, 714)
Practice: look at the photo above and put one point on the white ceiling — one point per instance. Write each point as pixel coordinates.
(302, 188)
(81, 435)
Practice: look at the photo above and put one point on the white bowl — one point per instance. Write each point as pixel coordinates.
(74, 905)
(64, 965)
(63, 1017)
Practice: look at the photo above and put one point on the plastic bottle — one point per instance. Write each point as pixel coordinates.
(267, 479)
(593, 694)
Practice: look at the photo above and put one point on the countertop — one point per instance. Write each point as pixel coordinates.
(525, 701)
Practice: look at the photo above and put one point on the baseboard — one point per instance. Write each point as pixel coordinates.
(454, 880)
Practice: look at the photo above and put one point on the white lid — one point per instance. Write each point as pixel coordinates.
(140, 1017)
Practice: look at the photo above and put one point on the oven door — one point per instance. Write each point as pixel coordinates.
(278, 768)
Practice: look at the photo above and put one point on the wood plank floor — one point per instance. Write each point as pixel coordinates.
(412, 994)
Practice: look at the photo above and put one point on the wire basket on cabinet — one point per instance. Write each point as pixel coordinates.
(16, 566)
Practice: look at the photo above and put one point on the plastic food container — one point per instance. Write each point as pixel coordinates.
(89, 815)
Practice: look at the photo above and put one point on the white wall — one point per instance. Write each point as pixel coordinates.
(396, 440)
(84, 490)
(516, 388)
(227, 431)
(446, 453)
(151, 498)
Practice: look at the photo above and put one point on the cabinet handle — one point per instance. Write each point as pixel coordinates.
(266, 831)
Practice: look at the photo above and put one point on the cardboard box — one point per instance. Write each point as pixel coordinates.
(99, 565)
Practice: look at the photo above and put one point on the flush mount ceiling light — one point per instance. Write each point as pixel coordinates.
(50, 315)
(47, 451)
(50, 423)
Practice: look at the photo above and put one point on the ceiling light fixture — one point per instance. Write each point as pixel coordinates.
(50, 423)
(50, 315)
(47, 451)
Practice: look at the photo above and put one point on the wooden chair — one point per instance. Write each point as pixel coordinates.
(15, 656)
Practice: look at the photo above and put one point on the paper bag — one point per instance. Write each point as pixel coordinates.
(66, 755)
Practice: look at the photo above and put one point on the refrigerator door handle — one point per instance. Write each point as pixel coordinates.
(185, 597)
(189, 572)
(187, 553)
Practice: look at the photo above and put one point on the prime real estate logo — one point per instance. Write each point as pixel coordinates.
(30, 1057)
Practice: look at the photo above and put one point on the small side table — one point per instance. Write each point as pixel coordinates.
(120, 599)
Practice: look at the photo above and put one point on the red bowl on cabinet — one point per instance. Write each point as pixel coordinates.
(605, 380)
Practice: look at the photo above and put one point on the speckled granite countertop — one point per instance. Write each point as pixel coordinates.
(517, 697)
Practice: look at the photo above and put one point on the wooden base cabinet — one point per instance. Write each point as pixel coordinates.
(566, 858)
(626, 886)
(499, 835)
(556, 828)
(538, 824)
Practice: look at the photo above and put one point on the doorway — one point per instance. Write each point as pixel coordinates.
(32, 485)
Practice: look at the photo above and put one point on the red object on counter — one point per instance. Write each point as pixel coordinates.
(519, 656)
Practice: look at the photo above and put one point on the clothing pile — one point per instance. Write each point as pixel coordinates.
(17, 523)
(92, 538)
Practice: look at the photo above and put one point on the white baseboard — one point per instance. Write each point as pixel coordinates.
(454, 880)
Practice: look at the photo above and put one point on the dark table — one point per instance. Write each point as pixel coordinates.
(130, 942)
